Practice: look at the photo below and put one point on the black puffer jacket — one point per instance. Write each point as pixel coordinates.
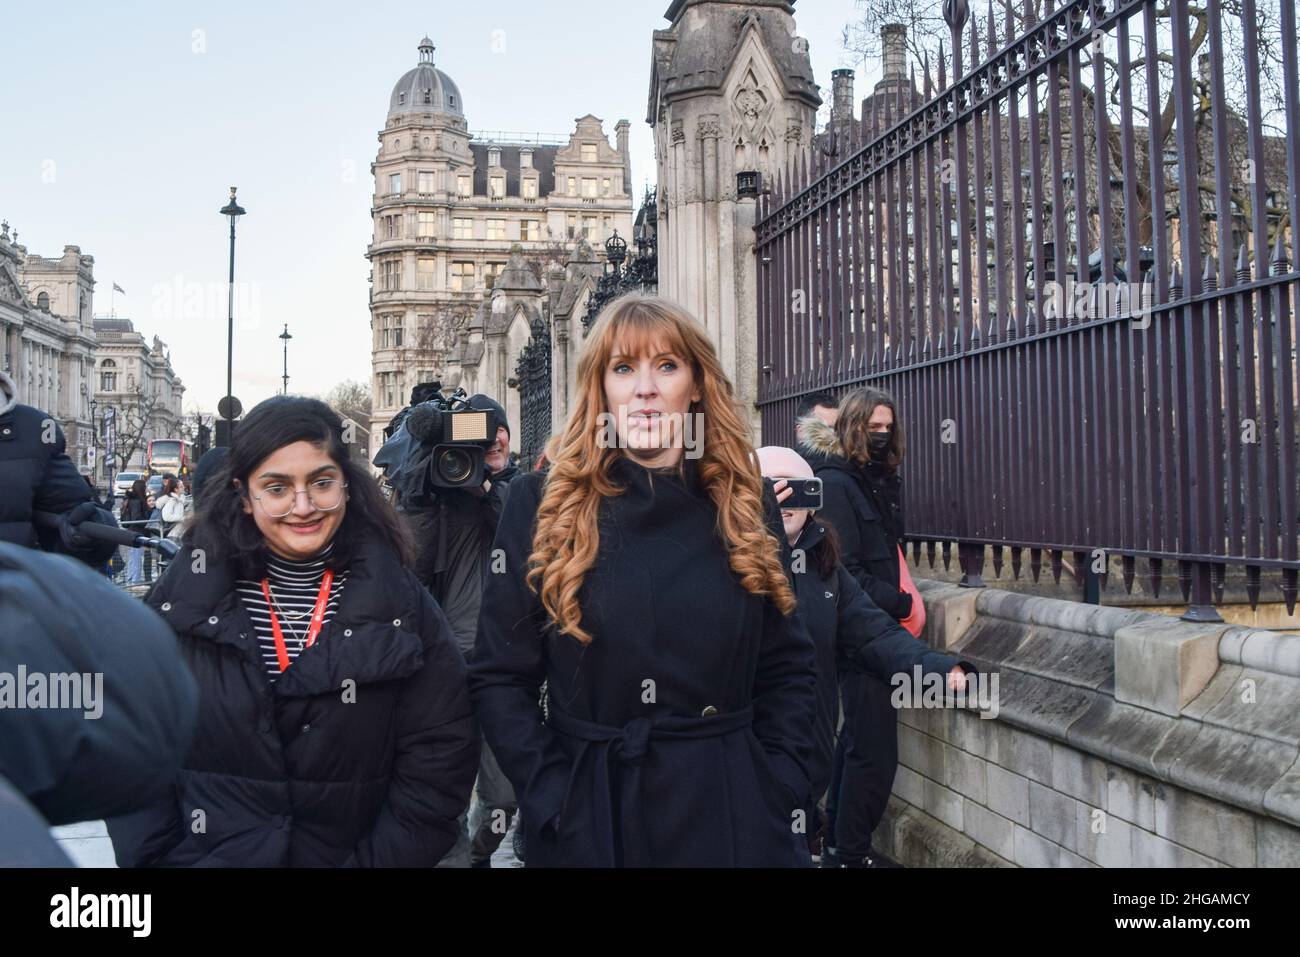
(37, 476)
(362, 753)
(114, 743)
(864, 503)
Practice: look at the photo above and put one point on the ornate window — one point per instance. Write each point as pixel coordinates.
(108, 376)
(43, 301)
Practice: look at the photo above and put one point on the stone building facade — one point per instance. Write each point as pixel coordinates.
(47, 337)
(731, 90)
(459, 215)
(134, 375)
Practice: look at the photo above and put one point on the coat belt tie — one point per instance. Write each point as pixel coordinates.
(612, 756)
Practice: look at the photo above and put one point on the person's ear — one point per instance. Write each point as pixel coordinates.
(244, 500)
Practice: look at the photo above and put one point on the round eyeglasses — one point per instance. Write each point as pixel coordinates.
(325, 495)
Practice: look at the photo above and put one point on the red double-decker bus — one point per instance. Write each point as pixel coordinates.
(170, 455)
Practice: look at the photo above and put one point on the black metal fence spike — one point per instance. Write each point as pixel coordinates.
(1128, 565)
(1157, 575)
(1252, 585)
(1289, 588)
(1035, 563)
(1280, 263)
(1243, 264)
(1015, 561)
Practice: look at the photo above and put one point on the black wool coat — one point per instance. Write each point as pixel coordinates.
(851, 635)
(682, 735)
(864, 503)
(362, 753)
(37, 475)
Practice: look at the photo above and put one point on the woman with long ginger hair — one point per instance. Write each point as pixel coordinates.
(643, 585)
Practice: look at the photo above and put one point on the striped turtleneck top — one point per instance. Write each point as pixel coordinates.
(294, 587)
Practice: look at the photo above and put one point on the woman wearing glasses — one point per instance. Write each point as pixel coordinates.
(334, 724)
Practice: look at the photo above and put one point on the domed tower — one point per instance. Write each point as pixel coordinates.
(424, 162)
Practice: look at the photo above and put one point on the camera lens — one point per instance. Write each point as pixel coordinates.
(455, 465)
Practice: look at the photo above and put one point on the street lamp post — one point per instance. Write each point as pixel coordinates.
(94, 443)
(285, 337)
(234, 211)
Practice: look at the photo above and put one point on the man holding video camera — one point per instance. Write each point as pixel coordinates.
(448, 461)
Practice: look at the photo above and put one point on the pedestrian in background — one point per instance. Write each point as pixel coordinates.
(133, 515)
(852, 636)
(862, 499)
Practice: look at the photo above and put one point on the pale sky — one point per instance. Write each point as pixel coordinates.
(126, 123)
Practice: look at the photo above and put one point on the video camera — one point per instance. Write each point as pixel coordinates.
(437, 442)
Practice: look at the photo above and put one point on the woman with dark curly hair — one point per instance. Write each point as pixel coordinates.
(334, 724)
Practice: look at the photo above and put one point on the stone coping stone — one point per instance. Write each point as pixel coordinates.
(1271, 651)
(1038, 704)
(1229, 745)
(1164, 663)
(1100, 620)
(1259, 703)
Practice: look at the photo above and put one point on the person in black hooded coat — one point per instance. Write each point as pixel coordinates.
(355, 746)
(678, 723)
(858, 464)
(851, 634)
(36, 475)
(115, 750)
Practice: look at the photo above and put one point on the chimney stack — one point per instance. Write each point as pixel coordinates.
(841, 97)
(620, 133)
(893, 44)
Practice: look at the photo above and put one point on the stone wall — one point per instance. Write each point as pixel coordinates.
(1123, 738)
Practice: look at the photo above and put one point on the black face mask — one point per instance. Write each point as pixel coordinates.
(879, 442)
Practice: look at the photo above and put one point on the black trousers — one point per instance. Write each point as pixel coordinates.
(866, 759)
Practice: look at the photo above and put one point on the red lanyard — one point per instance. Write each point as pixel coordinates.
(317, 617)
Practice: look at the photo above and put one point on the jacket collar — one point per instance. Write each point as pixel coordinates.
(194, 591)
(626, 471)
(819, 437)
(813, 533)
